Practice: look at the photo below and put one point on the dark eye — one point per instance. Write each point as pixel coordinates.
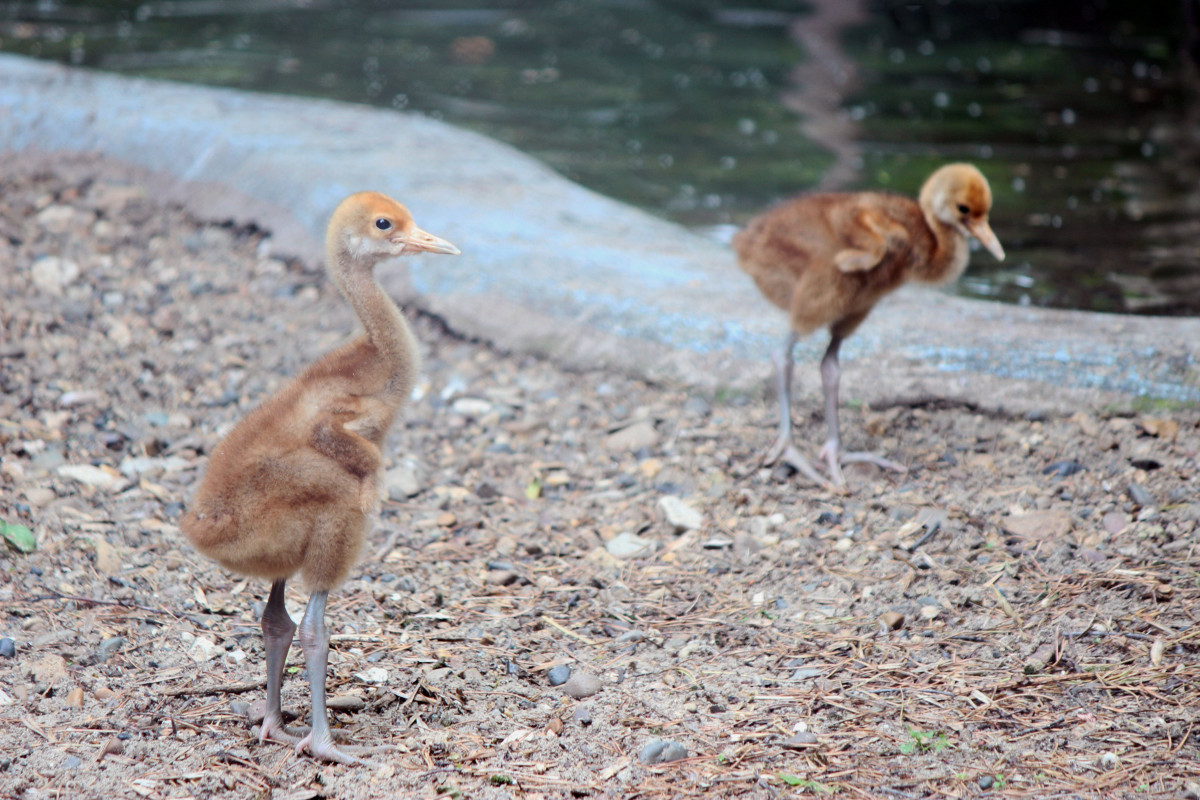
(961, 209)
(384, 224)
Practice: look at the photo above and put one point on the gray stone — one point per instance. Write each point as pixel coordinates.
(680, 516)
(8, 648)
(558, 675)
(52, 274)
(111, 645)
(581, 685)
(629, 545)
(661, 751)
(635, 437)
(582, 715)
(404, 480)
(1141, 495)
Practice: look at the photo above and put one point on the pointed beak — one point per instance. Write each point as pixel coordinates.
(983, 232)
(419, 241)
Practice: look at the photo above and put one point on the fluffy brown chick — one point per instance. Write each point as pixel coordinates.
(827, 259)
(293, 487)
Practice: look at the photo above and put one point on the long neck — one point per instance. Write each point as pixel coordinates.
(950, 252)
(388, 333)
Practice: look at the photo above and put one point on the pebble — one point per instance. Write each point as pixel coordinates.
(1053, 524)
(807, 673)
(629, 545)
(1114, 522)
(49, 669)
(373, 675)
(403, 480)
(89, 475)
(892, 620)
(111, 645)
(1064, 469)
(71, 762)
(8, 648)
(582, 715)
(52, 274)
(800, 741)
(471, 407)
(202, 649)
(581, 685)
(985, 781)
(661, 751)
(635, 437)
(680, 515)
(75, 698)
(107, 560)
(1141, 495)
(558, 675)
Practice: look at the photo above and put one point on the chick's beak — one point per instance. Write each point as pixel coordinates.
(419, 241)
(983, 232)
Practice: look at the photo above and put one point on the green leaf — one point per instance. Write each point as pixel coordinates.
(790, 780)
(18, 537)
(534, 490)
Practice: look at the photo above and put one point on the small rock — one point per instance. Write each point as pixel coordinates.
(403, 481)
(807, 674)
(81, 398)
(1091, 556)
(1109, 760)
(582, 715)
(681, 516)
(1064, 469)
(1140, 495)
(104, 694)
(202, 649)
(8, 648)
(630, 636)
(629, 545)
(800, 741)
(558, 675)
(75, 698)
(373, 675)
(447, 519)
(89, 475)
(660, 751)
(581, 685)
(107, 560)
(52, 274)
(635, 437)
(985, 781)
(113, 747)
(1114, 522)
(111, 645)
(650, 468)
(134, 468)
(471, 407)
(503, 577)
(71, 762)
(1051, 524)
(892, 620)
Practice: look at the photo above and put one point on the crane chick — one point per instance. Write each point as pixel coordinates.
(293, 486)
(826, 259)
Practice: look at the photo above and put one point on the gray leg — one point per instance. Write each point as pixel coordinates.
(831, 374)
(278, 629)
(784, 450)
(314, 638)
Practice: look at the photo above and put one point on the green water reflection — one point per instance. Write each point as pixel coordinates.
(1078, 112)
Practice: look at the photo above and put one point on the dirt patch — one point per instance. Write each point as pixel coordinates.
(1016, 616)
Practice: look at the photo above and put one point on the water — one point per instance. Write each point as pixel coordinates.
(1081, 114)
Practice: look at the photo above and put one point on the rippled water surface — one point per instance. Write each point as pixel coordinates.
(1082, 114)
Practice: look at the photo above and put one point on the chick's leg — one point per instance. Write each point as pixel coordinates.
(832, 452)
(784, 450)
(278, 629)
(314, 638)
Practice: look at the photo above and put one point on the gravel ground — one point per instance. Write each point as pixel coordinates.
(1014, 617)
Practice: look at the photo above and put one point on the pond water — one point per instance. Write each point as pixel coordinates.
(1083, 115)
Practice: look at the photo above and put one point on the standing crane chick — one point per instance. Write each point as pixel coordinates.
(827, 259)
(293, 486)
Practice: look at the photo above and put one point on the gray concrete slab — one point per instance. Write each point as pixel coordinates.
(552, 268)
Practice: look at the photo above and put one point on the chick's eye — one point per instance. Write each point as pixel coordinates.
(384, 224)
(962, 209)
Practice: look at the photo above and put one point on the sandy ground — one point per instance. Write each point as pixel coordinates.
(1014, 617)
